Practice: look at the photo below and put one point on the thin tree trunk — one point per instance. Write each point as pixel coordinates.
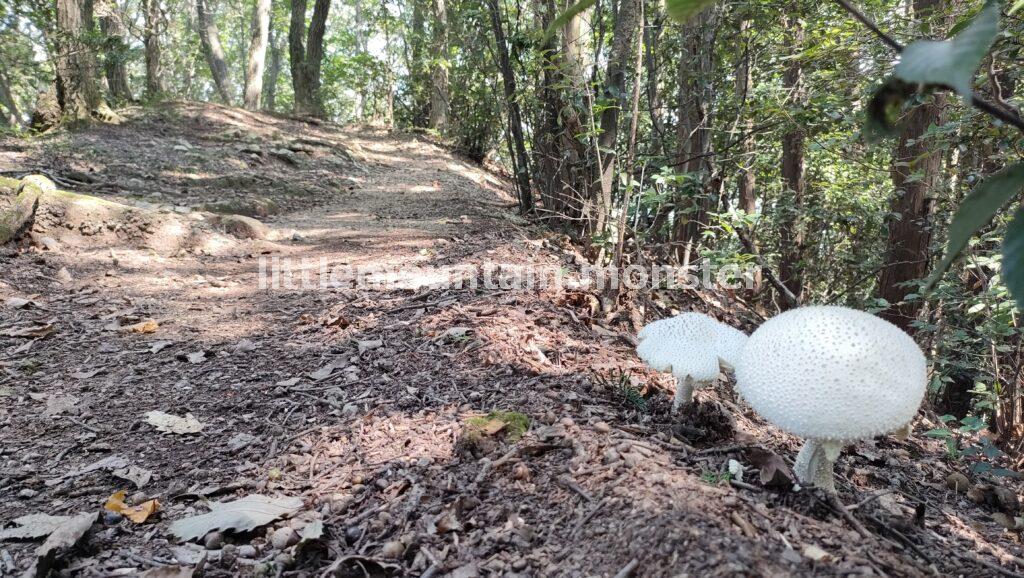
(747, 182)
(515, 121)
(634, 118)
(626, 20)
(12, 117)
(916, 167)
(420, 93)
(115, 50)
(791, 207)
(151, 40)
(257, 54)
(652, 36)
(306, 50)
(273, 70)
(439, 72)
(209, 37)
(77, 92)
(695, 107)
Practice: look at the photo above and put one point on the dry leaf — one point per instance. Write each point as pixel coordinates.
(87, 374)
(60, 541)
(134, 474)
(30, 332)
(169, 572)
(144, 326)
(197, 357)
(158, 346)
(33, 526)
(323, 373)
(137, 514)
(240, 515)
(17, 303)
(493, 426)
(815, 553)
(58, 404)
(64, 276)
(173, 424)
(289, 382)
(773, 469)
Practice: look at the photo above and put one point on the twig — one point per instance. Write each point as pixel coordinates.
(867, 500)
(845, 513)
(784, 291)
(994, 567)
(628, 569)
(567, 482)
(976, 101)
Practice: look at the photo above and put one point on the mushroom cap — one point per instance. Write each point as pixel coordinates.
(832, 373)
(685, 345)
(731, 342)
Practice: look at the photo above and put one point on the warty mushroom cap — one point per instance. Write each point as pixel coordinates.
(685, 345)
(832, 373)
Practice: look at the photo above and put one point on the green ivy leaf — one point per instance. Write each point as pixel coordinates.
(951, 62)
(683, 10)
(1012, 270)
(975, 211)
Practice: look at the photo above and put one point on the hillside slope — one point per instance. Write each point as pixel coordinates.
(372, 401)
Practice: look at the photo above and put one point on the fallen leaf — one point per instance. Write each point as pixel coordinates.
(134, 474)
(241, 441)
(31, 332)
(64, 276)
(33, 526)
(158, 346)
(17, 303)
(773, 469)
(109, 463)
(323, 373)
(87, 374)
(137, 514)
(60, 541)
(166, 422)
(312, 531)
(169, 572)
(815, 553)
(243, 346)
(369, 345)
(58, 404)
(197, 357)
(241, 515)
(144, 326)
(289, 382)
(493, 426)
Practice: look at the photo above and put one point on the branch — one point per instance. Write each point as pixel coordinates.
(1008, 117)
(784, 291)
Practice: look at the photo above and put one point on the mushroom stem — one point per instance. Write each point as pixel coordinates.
(814, 464)
(684, 392)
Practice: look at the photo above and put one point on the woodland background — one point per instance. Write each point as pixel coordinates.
(733, 138)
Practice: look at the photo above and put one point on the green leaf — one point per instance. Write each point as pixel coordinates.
(885, 108)
(939, 433)
(976, 210)
(566, 16)
(683, 10)
(1016, 6)
(951, 62)
(1012, 270)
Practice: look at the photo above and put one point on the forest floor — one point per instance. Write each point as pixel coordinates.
(372, 403)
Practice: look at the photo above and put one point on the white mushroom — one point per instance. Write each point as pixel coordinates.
(691, 346)
(831, 375)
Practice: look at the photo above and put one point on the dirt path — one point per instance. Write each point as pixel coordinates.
(360, 399)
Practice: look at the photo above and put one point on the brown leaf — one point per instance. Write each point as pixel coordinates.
(144, 326)
(137, 514)
(493, 426)
(30, 332)
(773, 469)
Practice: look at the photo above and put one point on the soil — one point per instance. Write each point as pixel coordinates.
(373, 402)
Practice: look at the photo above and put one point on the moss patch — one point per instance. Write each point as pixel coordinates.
(510, 424)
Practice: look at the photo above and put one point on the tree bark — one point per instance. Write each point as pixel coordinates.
(626, 24)
(273, 71)
(439, 70)
(306, 50)
(791, 207)
(151, 40)
(209, 37)
(515, 121)
(695, 106)
(253, 93)
(417, 76)
(115, 50)
(746, 179)
(915, 172)
(11, 117)
(77, 92)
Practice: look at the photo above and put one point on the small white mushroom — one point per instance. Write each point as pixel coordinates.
(691, 346)
(831, 375)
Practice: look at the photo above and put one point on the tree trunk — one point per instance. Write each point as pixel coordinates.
(746, 179)
(306, 52)
(515, 121)
(77, 92)
(915, 171)
(273, 71)
(652, 37)
(257, 54)
(417, 81)
(151, 40)
(634, 118)
(209, 37)
(115, 50)
(11, 117)
(626, 25)
(791, 206)
(439, 71)
(695, 105)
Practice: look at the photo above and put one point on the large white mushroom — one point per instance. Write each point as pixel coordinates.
(831, 375)
(693, 347)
